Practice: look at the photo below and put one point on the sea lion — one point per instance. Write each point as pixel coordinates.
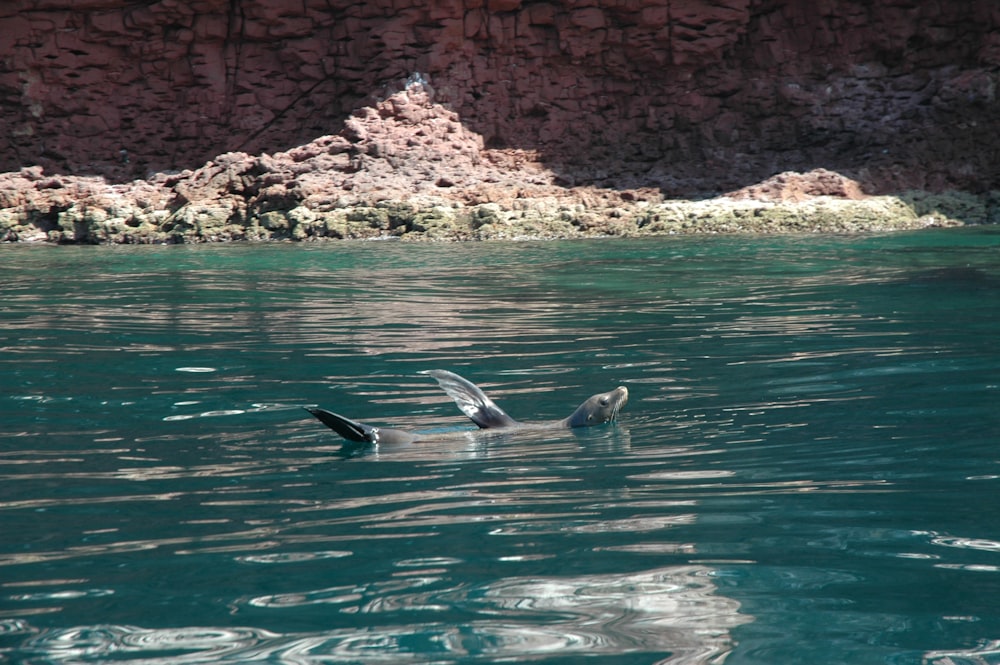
(596, 410)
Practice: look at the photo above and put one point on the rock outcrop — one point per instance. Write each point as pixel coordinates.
(683, 96)
(407, 167)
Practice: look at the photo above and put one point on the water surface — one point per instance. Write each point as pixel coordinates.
(807, 470)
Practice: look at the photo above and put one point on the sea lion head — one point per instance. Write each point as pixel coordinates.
(599, 409)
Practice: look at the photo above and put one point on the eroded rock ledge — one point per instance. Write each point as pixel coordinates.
(407, 167)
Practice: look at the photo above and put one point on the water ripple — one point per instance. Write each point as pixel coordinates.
(805, 472)
(672, 610)
(132, 644)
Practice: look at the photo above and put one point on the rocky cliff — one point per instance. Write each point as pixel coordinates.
(684, 96)
(406, 167)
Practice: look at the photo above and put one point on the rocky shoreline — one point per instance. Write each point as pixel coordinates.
(407, 168)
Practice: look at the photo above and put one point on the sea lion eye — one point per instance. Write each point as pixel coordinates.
(604, 401)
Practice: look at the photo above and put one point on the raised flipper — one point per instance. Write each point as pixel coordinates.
(472, 401)
(359, 432)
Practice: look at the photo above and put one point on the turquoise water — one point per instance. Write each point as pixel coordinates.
(807, 470)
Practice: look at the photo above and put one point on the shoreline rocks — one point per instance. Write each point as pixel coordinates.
(407, 167)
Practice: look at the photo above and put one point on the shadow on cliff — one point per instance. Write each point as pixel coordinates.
(407, 143)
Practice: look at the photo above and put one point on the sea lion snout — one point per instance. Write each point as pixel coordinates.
(619, 398)
(615, 399)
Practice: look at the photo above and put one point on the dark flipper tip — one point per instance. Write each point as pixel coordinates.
(345, 427)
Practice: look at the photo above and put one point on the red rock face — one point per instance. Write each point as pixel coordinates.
(682, 95)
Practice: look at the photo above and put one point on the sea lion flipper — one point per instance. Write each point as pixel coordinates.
(345, 427)
(359, 432)
(471, 400)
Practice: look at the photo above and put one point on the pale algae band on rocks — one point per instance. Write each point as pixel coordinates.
(123, 222)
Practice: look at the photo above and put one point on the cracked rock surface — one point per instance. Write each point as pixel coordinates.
(687, 96)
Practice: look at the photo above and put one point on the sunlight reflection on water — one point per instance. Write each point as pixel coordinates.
(673, 611)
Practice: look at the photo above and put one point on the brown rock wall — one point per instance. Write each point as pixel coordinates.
(683, 95)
